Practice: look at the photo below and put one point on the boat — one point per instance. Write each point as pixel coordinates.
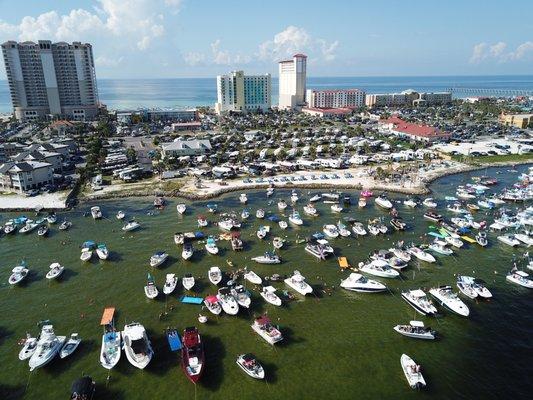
(367, 193)
(379, 268)
(158, 258)
(242, 296)
(212, 304)
(269, 294)
(83, 388)
(245, 214)
(249, 364)
(227, 301)
(28, 347)
(187, 251)
(373, 229)
(415, 329)
(159, 202)
(202, 222)
(445, 296)
(520, 278)
(111, 343)
(236, 242)
(102, 252)
(96, 213)
(192, 354)
(211, 245)
(358, 228)
(131, 226)
(472, 207)
(171, 281)
(262, 231)
(454, 241)
(181, 208)
(121, 215)
(472, 288)
(383, 202)
(243, 198)
(359, 283)
(18, 274)
(10, 227)
(398, 224)
(433, 216)
(55, 271)
(264, 328)
(524, 238)
(48, 346)
(419, 301)
(315, 198)
(421, 254)
(429, 203)
(410, 203)
(283, 224)
(440, 248)
(226, 224)
(401, 253)
(270, 191)
(298, 283)
(412, 372)
(336, 208)
(70, 346)
(214, 275)
(29, 226)
(509, 239)
(456, 208)
(481, 239)
(310, 210)
(295, 218)
(137, 346)
(260, 213)
(331, 231)
(43, 230)
(150, 290)
(316, 249)
(277, 242)
(294, 197)
(390, 258)
(487, 204)
(252, 277)
(188, 281)
(282, 205)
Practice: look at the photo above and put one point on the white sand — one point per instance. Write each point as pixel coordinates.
(47, 201)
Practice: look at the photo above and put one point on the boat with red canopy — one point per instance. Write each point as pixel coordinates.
(192, 354)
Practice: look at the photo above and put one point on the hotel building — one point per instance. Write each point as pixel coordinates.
(335, 98)
(237, 92)
(292, 77)
(408, 97)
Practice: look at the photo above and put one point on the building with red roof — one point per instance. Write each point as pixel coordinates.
(398, 127)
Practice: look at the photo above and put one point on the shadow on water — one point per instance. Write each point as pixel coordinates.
(163, 359)
(288, 336)
(4, 334)
(66, 275)
(215, 353)
(103, 392)
(58, 366)
(270, 372)
(8, 392)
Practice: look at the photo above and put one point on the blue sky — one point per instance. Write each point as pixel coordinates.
(195, 38)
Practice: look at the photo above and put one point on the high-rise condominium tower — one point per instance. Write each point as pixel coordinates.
(292, 76)
(243, 93)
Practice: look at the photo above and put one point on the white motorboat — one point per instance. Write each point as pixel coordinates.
(18, 274)
(429, 203)
(187, 251)
(486, 204)
(249, 364)
(421, 254)
(102, 252)
(412, 372)
(283, 224)
(509, 239)
(402, 254)
(415, 329)
(330, 231)
(310, 210)
(131, 226)
(110, 350)
(212, 304)
(260, 213)
(315, 198)
(270, 191)
(520, 278)
(359, 229)
(242, 296)
(121, 215)
(150, 289)
(465, 286)
(70, 346)
(267, 258)
(137, 346)
(226, 224)
(55, 271)
(181, 208)
(28, 348)
(96, 213)
(361, 203)
(269, 294)
(282, 205)
(445, 296)
(456, 208)
(419, 301)
(410, 203)
(383, 202)
(264, 328)
(202, 222)
(158, 258)
(252, 277)
(524, 238)
(262, 231)
(294, 197)
(475, 284)
(211, 245)
(227, 301)
(10, 227)
(43, 230)
(389, 257)
(243, 198)
(343, 229)
(454, 241)
(188, 281)
(86, 254)
(245, 214)
(215, 275)
(379, 268)
(295, 218)
(29, 226)
(47, 348)
(336, 208)
(171, 281)
(277, 242)
(373, 229)
(298, 283)
(440, 248)
(359, 283)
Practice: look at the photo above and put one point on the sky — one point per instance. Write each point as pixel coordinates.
(205, 38)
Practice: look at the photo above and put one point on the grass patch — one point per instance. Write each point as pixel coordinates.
(506, 158)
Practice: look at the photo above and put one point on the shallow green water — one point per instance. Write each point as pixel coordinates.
(340, 346)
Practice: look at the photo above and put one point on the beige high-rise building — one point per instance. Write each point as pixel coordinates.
(237, 92)
(292, 81)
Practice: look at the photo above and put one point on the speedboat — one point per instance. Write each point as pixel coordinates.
(171, 282)
(212, 207)
(102, 252)
(47, 347)
(456, 208)
(310, 210)
(343, 229)
(454, 241)
(111, 349)
(96, 213)
(137, 346)
(262, 231)
(242, 296)
(283, 224)
(410, 203)
(10, 227)
(390, 258)
(29, 226)
(402, 254)
(419, 301)
(294, 197)
(245, 214)
(188, 281)
(158, 258)
(212, 304)
(214, 275)
(264, 328)
(269, 294)
(150, 290)
(433, 216)
(440, 248)
(481, 239)
(86, 254)
(192, 354)
(445, 296)
(429, 203)
(295, 218)
(270, 191)
(277, 242)
(227, 301)
(486, 204)
(336, 208)
(415, 329)
(226, 224)
(181, 208)
(43, 230)
(282, 205)
(520, 278)
(243, 198)
(121, 215)
(398, 224)
(236, 242)
(473, 287)
(315, 198)
(187, 251)
(70, 346)
(249, 364)
(421, 254)
(298, 283)
(331, 231)
(159, 202)
(509, 239)
(361, 203)
(359, 283)
(55, 271)
(379, 268)
(412, 372)
(211, 245)
(260, 213)
(524, 238)
(252, 277)
(202, 221)
(18, 274)
(267, 258)
(28, 347)
(359, 229)
(131, 226)
(383, 202)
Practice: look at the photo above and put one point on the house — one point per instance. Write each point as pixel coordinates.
(179, 148)
(327, 112)
(54, 159)
(26, 175)
(403, 129)
(8, 150)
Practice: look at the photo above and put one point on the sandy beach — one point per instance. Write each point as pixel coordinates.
(48, 201)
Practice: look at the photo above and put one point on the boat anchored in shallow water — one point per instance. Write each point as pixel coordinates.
(264, 328)
(359, 283)
(298, 283)
(269, 294)
(419, 301)
(412, 372)
(47, 348)
(110, 350)
(249, 364)
(192, 354)
(267, 258)
(520, 278)
(445, 296)
(137, 346)
(171, 281)
(416, 329)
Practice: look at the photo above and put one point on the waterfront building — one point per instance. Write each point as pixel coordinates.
(292, 82)
(26, 175)
(335, 98)
(51, 79)
(180, 148)
(519, 120)
(403, 129)
(8, 150)
(408, 98)
(237, 92)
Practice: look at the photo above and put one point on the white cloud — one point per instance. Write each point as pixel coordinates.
(103, 61)
(497, 52)
(194, 58)
(220, 56)
(478, 53)
(522, 51)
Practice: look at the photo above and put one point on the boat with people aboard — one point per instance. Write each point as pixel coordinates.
(171, 281)
(249, 364)
(48, 346)
(410, 203)
(263, 231)
(267, 258)
(445, 296)
(29, 345)
(158, 258)
(131, 226)
(509, 239)
(379, 268)
(310, 210)
(192, 354)
(55, 271)
(252, 277)
(277, 242)
(243, 198)
(188, 281)
(481, 239)
(269, 294)
(18, 274)
(137, 346)
(227, 301)
(242, 296)
(295, 218)
(432, 216)
(359, 283)
(214, 275)
(202, 221)
(211, 245)
(472, 287)
(418, 299)
(159, 202)
(521, 278)
(187, 250)
(297, 282)
(150, 289)
(236, 242)
(429, 202)
(264, 328)
(330, 231)
(412, 372)
(70, 346)
(212, 304)
(96, 212)
(260, 213)
(421, 254)
(417, 330)
(383, 202)
(282, 205)
(111, 348)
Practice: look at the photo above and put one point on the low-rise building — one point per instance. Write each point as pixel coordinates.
(52, 158)
(403, 129)
(8, 150)
(341, 98)
(519, 120)
(26, 175)
(408, 98)
(179, 148)
(327, 112)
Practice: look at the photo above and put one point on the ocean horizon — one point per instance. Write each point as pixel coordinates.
(191, 92)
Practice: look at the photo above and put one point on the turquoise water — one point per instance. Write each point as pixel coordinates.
(340, 346)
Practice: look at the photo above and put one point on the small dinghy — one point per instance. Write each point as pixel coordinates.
(214, 275)
(19, 273)
(131, 226)
(171, 282)
(269, 294)
(121, 215)
(415, 329)
(150, 290)
(55, 271)
(158, 258)
(188, 281)
(70, 346)
(249, 364)
(212, 304)
(252, 277)
(28, 347)
(412, 372)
